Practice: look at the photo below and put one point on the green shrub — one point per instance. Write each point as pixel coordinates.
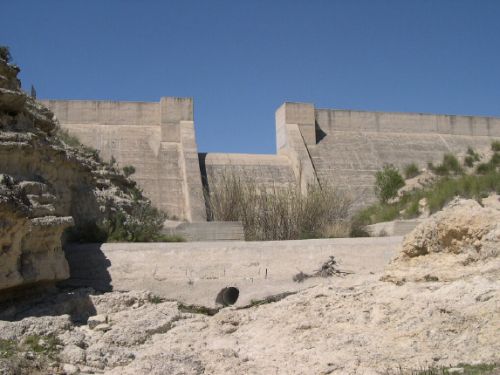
(449, 165)
(473, 153)
(387, 183)
(383, 212)
(491, 166)
(484, 168)
(495, 159)
(495, 146)
(471, 157)
(437, 195)
(440, 170)
(5, 53)
(451, 162)
(469, 161)
(412, 210)
(411, 170)
(143, 224)
(128, 170)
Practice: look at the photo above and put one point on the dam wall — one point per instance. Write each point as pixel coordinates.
(343, 148)
(158, 139)
(266, 171)
(353, 145)
(257, 269)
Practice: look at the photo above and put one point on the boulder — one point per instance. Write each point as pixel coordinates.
(461, 240)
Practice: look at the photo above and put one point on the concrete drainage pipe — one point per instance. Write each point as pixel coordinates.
(228, 296)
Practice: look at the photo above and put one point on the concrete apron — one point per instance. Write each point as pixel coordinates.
(195, 273)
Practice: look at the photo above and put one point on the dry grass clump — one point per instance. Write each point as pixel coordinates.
(279, 213)
(327, 269)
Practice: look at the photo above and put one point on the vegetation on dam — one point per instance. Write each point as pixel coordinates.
(473, 179)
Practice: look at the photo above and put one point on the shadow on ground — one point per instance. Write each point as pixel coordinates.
(88, 276)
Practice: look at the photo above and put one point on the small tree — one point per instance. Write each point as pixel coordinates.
(411, 170)
(128, 170)
(471, 157)
(33, 92)
(387, 182)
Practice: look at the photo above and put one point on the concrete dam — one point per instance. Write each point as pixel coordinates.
(342, 148)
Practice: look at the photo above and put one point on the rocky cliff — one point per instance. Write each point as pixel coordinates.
(47, 186)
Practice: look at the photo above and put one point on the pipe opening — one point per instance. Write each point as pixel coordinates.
(228, 296)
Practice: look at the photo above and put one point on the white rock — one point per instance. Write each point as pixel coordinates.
(72, 354)
(95, 320)
(70, 369)
(104, 327)
(450, 245)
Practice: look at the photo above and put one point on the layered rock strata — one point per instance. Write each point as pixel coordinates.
(45, 187)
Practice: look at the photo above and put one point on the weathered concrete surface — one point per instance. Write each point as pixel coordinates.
(196, 272)
(268, 171)
(208, 231)
(356, 144)
(295, 130)
(336, 147)
(392, 228)
(158, 139)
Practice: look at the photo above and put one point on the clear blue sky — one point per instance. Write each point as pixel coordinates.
(240, 60)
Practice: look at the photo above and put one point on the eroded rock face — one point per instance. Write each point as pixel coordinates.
(30, 236)
(46, 187)
(32, 217)
(451, 244)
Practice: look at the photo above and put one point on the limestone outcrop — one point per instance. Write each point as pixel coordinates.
(440, 309)
(455, 242)
(30, 236)
(47, 186)
(352, 325)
